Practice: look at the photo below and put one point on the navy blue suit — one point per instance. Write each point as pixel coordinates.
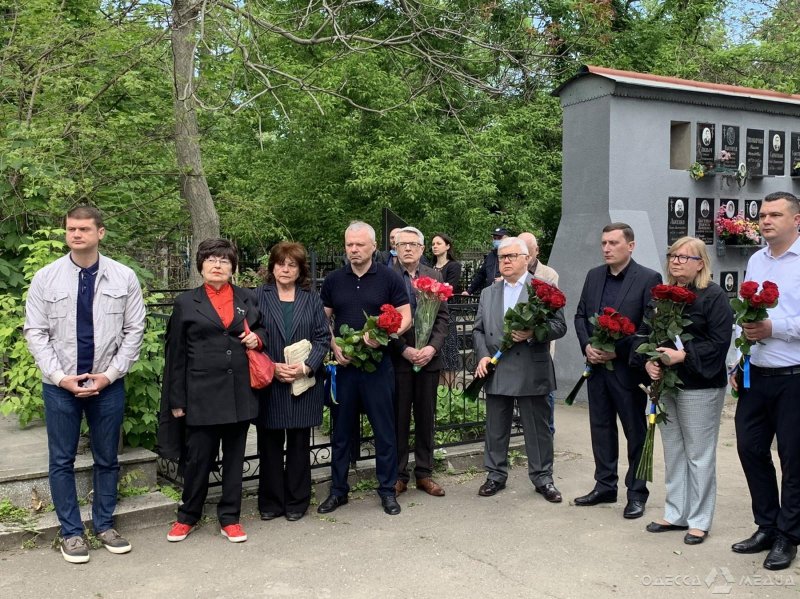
(615, 392)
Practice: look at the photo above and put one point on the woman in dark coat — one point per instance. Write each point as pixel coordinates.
(445, 263)
(207, 387)
(292, 313)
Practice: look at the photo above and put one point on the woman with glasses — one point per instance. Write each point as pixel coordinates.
(690, 433)
(206, 396)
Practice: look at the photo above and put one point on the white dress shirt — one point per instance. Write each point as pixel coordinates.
(511, 292)
(783, 347)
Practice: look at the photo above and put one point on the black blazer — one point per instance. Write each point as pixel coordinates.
(451, 273)
(279, 408)
(487, 272)
(438, 333)
(632, 301)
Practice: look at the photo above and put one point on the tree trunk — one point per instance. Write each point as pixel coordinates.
(194, 188)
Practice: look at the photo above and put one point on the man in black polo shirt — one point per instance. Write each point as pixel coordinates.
(362, 287)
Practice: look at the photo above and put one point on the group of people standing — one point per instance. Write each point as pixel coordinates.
(85, 319)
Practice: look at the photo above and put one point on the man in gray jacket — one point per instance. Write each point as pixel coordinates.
(524, 374)
(84, 321)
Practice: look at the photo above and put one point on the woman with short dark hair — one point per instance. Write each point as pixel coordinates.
(292, 313)
(206, 391)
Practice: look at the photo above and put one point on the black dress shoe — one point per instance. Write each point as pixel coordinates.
(270, 515)
(633, 509)
(331, 503)
(390, 505)
(691, 539)
(594, 497)
(658, 527)
(760, 541)
(490, 487)
(294, 516)
(550, 493)
(781, 555)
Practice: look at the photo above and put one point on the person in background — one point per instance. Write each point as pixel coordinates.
(450, 269)
(84, 323)
(206, 392)
(690, 432)
(291, 313)
(489, 270)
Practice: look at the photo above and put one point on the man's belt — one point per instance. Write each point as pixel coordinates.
(783, 371)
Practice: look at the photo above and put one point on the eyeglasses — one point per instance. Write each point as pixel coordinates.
(220, 261)
(408, 244)
(509, 257)
(681, 258)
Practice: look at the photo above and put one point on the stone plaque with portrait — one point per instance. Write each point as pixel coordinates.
(794, 155)
(677, 219)
(776, 153)
(704, 220)
(731, 207)
(730, 144)
(705, 144)
(751, 209)
(729, 281)
(754, 153)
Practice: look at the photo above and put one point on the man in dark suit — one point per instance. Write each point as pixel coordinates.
(524, 374)
(624, 285)
(416, 390)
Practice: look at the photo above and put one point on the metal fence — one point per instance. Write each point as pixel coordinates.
(458, 420)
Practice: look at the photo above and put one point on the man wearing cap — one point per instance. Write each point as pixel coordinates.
(489, 270)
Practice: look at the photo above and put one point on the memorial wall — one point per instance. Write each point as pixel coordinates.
(670, 157)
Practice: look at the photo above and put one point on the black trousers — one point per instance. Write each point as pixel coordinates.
(284, 487)
(202, 446)
(607, 400)
(415, 391)
(770, 408)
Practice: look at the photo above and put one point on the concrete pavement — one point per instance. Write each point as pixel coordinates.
(461, 546)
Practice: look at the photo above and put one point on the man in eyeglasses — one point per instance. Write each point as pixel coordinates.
(416, 390)
(84, 322)
(625, 286)
(525, 375)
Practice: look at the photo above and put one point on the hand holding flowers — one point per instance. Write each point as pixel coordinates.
(751, 315)
(430, 294)
(360, 348)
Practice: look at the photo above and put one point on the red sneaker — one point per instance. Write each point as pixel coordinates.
(234, 533)
(179, 532)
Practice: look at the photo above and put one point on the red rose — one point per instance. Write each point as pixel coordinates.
(769, 296)
(613, 326)
(608, 311)
(557, 299)
(748, 289)
(769, 285)
(660, 292)
(602, 321)
(390, 319)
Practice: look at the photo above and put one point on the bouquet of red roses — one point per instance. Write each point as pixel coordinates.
(609, 327)
(666, 324)
(430, 294)
(379, 328)
(752, 308)
(544, 300)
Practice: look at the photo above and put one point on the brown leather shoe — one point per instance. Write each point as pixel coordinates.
(400, 486)
(430, 487)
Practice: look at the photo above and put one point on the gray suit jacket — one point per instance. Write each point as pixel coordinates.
(526, 368)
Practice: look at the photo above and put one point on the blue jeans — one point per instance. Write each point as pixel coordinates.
(63, 412)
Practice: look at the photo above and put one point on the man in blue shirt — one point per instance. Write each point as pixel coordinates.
(350, 294)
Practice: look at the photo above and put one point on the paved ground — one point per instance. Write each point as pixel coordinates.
(461, 546)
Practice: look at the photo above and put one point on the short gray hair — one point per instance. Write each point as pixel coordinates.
(415, 231)
(508, 241)
(359, 225)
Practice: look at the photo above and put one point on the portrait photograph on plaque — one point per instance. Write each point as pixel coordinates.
(729, 281)
(730, 144)
(704, 220)
(754, 152)
(794, 155)
(705, 144)
(731, 208)
(677, 219)
(776, 153)
(751, 209)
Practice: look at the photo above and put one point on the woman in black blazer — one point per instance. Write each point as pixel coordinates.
(207, 389)
(292, 313)
(450, 268)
